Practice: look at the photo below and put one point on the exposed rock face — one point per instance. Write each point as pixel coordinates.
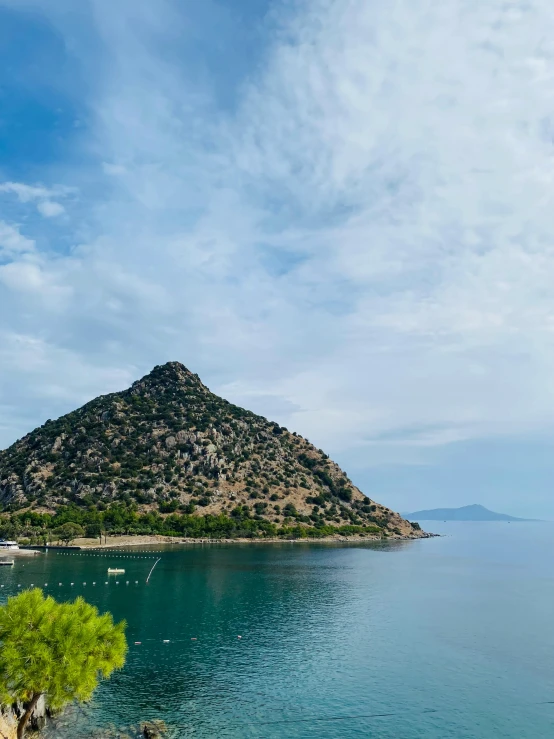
(8, 725)
(168, 443)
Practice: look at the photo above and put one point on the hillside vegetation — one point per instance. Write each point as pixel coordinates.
(169, 456)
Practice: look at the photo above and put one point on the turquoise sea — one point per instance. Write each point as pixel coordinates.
(447, 637)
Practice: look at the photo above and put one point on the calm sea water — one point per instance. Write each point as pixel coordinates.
(449, 637)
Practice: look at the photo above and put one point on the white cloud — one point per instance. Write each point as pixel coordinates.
(25, 193)
(49, 208)
(31, 277)
(364, 239)
(46, 206)
(12, 240)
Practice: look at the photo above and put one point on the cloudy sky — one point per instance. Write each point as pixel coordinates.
(340, 213)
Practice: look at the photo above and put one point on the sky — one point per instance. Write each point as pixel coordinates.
(339, 213)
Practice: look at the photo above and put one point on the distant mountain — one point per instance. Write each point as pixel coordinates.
(168, 445)
(465, 513)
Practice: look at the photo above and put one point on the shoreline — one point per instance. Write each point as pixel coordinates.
(118, 542)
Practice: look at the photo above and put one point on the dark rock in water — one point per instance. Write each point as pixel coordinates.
(153, 729)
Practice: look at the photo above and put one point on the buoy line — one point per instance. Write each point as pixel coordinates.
(108, 554)
(71, 584)
(183, 641)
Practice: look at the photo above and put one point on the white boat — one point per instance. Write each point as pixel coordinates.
(7, 562)
(115, 571)
(5, 544)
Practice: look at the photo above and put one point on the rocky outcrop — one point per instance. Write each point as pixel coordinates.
(153, 729)
(168, 443)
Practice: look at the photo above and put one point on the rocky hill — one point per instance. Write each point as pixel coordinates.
(169, 445)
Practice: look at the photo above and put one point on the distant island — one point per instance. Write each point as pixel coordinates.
(465, 513)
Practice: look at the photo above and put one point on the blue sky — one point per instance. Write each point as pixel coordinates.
(338, 213)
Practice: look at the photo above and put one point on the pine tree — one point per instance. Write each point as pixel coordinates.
(68, 531)
(59, 650)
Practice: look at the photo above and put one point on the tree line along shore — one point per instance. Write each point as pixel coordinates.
(72, 522)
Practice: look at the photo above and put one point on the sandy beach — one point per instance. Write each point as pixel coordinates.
(11, 553)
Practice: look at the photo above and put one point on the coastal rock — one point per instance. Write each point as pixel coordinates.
(153, 729)
(8, 725)
(37, 721)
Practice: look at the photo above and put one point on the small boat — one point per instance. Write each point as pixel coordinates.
(4, 544)
(115, 571)
(7, 561)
